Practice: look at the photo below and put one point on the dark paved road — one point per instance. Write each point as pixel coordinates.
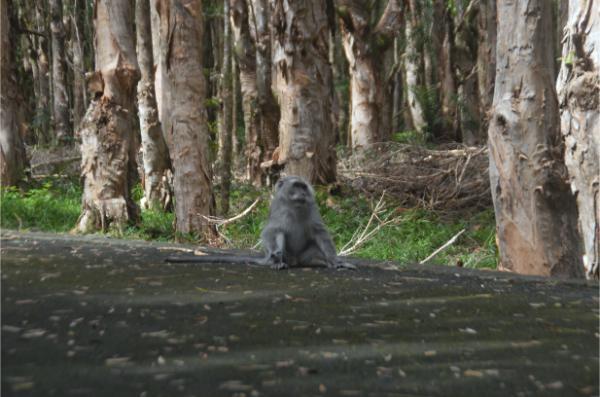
(98, 317)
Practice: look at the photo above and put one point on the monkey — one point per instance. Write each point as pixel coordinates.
(294, 235)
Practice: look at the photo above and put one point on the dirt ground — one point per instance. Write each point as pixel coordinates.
(91, 316)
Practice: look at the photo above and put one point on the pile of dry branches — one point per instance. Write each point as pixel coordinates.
(453, 178)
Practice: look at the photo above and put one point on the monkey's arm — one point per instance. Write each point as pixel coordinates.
(253, 260)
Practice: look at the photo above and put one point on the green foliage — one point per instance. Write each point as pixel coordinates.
(432, 112)
(411, 137)
(54, 206)
(413, 238)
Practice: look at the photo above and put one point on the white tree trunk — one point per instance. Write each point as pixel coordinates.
(411, 72)
(578, 87)
(535, 211)
(157, 172)
(108, 144)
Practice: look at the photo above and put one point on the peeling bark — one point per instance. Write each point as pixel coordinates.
(12, 151)
(578, 87)
(303, 82)
(108, 144)
(184, 115)
(535, 211)
(157, 166)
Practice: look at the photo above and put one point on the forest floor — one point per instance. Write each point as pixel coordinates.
(97, 316)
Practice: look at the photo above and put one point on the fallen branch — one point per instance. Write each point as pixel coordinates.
(214, 220)
(218, 222)
(443, 247)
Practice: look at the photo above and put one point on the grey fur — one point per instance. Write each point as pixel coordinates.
(294, 235)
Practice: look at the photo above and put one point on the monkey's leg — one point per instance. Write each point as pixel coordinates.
(314, 256)
(274, 244)
(325, 245)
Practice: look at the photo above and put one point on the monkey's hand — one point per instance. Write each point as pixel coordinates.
(279, 265)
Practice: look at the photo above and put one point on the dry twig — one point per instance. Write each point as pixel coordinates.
(443, 247)
(362, 236)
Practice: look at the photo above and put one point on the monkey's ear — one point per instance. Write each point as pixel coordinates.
(279, 184)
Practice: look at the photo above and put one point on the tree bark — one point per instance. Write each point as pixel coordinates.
(467, 78)
(364, 44)
(43, 111)
(157, 167)
(225, 111)
(412, 62)
(245, 52)
(304, 86)
(535, 211)
(159, 76)
(108, 144)
(184, 121)
(578, 89)
(77, 38)
(486, 59)
(60, 113)
(12, 151)
(444, 29)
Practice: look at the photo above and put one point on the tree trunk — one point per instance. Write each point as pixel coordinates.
(246, 55)
(304, 85)
(77, 38)
(157, 191)
(486, 59)
(225, 111)
(535, 211)
(578, 89)
(467, 90)
(446, 66)
(397, 119)
(412, 62)
(43, 100)
(268, 109)
(108, 144)
(364, 46)
(184, 121)
(12, 152)
(158, 60)
(61, 119)
(235, 111)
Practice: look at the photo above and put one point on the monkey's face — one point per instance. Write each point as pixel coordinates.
(295, 190)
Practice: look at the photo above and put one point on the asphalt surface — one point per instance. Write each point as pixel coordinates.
(90, 316)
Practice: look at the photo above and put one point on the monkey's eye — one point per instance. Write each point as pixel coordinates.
(300, 185)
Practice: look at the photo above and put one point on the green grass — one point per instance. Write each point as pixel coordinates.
(54, 206)
(51, 206)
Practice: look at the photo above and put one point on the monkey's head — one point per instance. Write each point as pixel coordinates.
(295, 190)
